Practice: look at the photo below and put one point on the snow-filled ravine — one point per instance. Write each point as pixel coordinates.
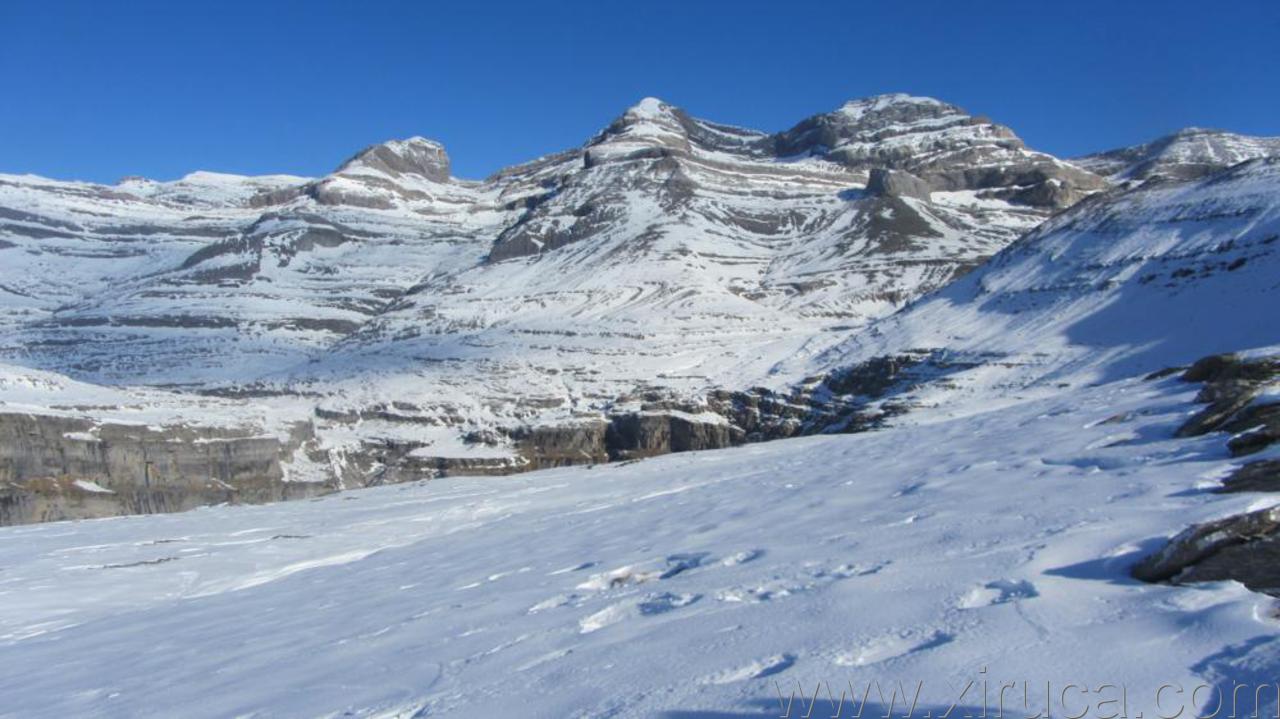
(967, 552)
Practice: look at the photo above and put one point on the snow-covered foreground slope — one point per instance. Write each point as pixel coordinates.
(993, 547)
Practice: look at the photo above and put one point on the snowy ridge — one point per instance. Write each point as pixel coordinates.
(208, 189)
(1186, 154)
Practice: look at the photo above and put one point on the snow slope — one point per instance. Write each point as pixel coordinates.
(1122, 284)
(693, 585)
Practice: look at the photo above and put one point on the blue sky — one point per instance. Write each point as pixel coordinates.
(99, 90)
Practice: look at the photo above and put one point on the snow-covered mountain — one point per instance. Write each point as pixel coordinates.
(1186, 154)
(390, 321)
(1123, 283)
(674, 284)
(668, 254)
(680, 229)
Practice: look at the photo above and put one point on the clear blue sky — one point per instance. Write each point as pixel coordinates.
(98, 90)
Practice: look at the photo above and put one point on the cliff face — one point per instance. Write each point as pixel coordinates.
(54, 468)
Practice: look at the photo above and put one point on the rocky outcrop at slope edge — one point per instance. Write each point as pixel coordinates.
(56, 468)
(1261, 475)
(1231, 388)
(1243, 547)
(858, 398)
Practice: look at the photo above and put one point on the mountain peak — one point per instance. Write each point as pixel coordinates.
(649, 128)
(649, 107)
(412, 156)
(650, 111)
(877, 103)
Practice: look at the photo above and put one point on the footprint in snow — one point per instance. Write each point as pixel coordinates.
(644, 572)
(646, 606)
(755, 670)
(1000, 591)
(891, 646)
(560, 600)
(908, 489)
(765, 592)
(845, 571)
(779, 587)
(574, 568)
(742, 557)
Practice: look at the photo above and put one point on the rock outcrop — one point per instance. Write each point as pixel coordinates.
(896, 183)
(1258, 476)
(54, 468)
(1231, 387)
(1244, 548)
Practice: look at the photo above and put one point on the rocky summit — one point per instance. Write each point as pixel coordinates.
(674, 283)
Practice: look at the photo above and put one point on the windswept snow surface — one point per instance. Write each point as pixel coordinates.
(989, 548)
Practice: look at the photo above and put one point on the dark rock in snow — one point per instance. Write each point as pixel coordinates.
(1260, 476)
(1258, 427)
(1231, 385)
(1244, 548)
